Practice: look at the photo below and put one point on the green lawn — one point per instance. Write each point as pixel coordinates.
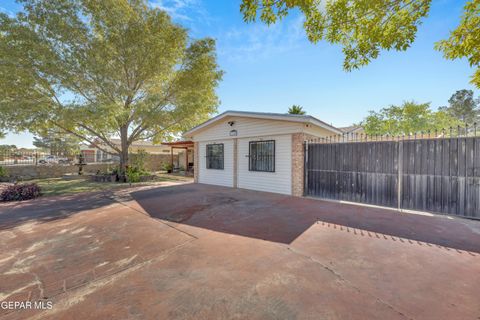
(59, 186)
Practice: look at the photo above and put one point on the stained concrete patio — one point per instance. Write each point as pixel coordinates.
(203, 252)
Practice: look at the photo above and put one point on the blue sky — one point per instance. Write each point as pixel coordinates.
(270, 68)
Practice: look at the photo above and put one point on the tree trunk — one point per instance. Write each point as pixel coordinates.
(123, 154)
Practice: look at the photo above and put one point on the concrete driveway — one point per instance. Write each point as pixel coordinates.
(202, 252)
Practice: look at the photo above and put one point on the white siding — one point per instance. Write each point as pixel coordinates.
(247, 127)
(317, 131)
(213, 176)
(279, 181)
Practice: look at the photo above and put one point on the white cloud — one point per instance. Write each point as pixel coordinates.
(250, 41)
(259, 41)
(173, 7)
(8, 12)
(183, 10)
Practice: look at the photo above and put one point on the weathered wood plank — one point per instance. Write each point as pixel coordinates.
(440, 175)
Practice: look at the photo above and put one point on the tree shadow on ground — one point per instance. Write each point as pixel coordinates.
(282, 219)
(48, 209)
(259, 215)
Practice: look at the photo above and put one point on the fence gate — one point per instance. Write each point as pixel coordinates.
(439, 175)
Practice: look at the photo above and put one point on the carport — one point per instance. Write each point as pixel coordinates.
(187, 147)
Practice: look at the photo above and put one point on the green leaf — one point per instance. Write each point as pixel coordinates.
(408, 119)
(464, 41)
(362, 27)
(103, 69)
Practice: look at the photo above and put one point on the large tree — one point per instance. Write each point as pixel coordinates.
(464, 41)
(463, 106)
(103, 69)
(408, 118)
(365, 27)
(7, 148)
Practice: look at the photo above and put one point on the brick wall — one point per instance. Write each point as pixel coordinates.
(298, 163)
(28, 172)
(155, 162)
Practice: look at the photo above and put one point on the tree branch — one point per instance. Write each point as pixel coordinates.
(101, 136)
(163, 129)
(92, 142)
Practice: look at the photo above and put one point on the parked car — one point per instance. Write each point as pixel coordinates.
(53, 160)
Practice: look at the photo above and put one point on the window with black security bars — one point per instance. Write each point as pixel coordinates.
(262, 156)
(214, 156)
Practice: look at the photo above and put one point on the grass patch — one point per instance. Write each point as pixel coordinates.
(59, 186)
(173, 177)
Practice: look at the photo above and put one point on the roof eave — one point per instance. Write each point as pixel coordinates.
(324, 125)
(301, 119)
(203, 125)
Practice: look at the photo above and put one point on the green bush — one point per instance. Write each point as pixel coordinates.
(109, 171)
(134, 174)
(114, 171)
(168, 167)
(3, 172)
(137, 168)
(138, 159)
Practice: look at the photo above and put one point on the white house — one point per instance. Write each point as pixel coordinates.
(93, 154)
(254, 150)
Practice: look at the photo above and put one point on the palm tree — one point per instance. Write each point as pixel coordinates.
(296, 110)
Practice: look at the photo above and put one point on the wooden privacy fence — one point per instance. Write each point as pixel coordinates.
(439, 175)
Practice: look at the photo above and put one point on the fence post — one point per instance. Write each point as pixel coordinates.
(400, 175)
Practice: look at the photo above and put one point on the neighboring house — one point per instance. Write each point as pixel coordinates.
(146, 146)
(253, 150)
(92, 154)
(352, 133)
(352, 129)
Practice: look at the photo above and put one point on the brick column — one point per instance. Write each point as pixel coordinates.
(196, 159)
(297, 164)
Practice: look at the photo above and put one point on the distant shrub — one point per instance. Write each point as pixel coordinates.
(168, 167)
(138, 160)
(3, 172)
(136, 170)
(134, 174)
(19, 192)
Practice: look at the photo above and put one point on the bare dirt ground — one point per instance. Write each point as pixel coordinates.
(191, 251)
